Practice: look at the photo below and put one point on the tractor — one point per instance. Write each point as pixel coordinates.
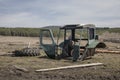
(80, 45)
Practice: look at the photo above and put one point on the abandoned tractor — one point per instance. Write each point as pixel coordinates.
(79, 42)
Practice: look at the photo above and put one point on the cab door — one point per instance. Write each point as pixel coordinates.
(47, 42)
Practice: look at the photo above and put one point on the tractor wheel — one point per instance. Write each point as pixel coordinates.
(27, 52)
(91, 52)
(88, 54)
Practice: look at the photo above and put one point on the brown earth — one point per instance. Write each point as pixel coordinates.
(109, 71)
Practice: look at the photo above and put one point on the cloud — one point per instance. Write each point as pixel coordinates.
(37, 13)
(22, 19)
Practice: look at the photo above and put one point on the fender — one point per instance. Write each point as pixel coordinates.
(96, 44)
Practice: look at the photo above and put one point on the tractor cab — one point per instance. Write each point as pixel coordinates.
(79, 42)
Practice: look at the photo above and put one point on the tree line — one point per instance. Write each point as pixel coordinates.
(29, 32)
(26, 32)
(34, 32)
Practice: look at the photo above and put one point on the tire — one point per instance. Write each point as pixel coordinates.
(91, 52)
(27, 52)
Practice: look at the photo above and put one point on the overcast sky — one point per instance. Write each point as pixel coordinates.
(39, 13)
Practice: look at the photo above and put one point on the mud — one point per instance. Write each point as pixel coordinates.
(91, 73)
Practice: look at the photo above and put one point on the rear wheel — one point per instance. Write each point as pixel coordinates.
(88, 53)
(91, 52)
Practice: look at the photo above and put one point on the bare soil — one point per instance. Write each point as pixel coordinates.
(109, 71)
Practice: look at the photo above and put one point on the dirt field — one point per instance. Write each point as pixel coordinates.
(8, 71)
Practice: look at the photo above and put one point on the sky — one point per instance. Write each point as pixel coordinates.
(39, 13)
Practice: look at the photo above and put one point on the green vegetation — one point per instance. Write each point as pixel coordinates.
(117, 30)
(110, 30)
(34, 32)
(27, 32)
